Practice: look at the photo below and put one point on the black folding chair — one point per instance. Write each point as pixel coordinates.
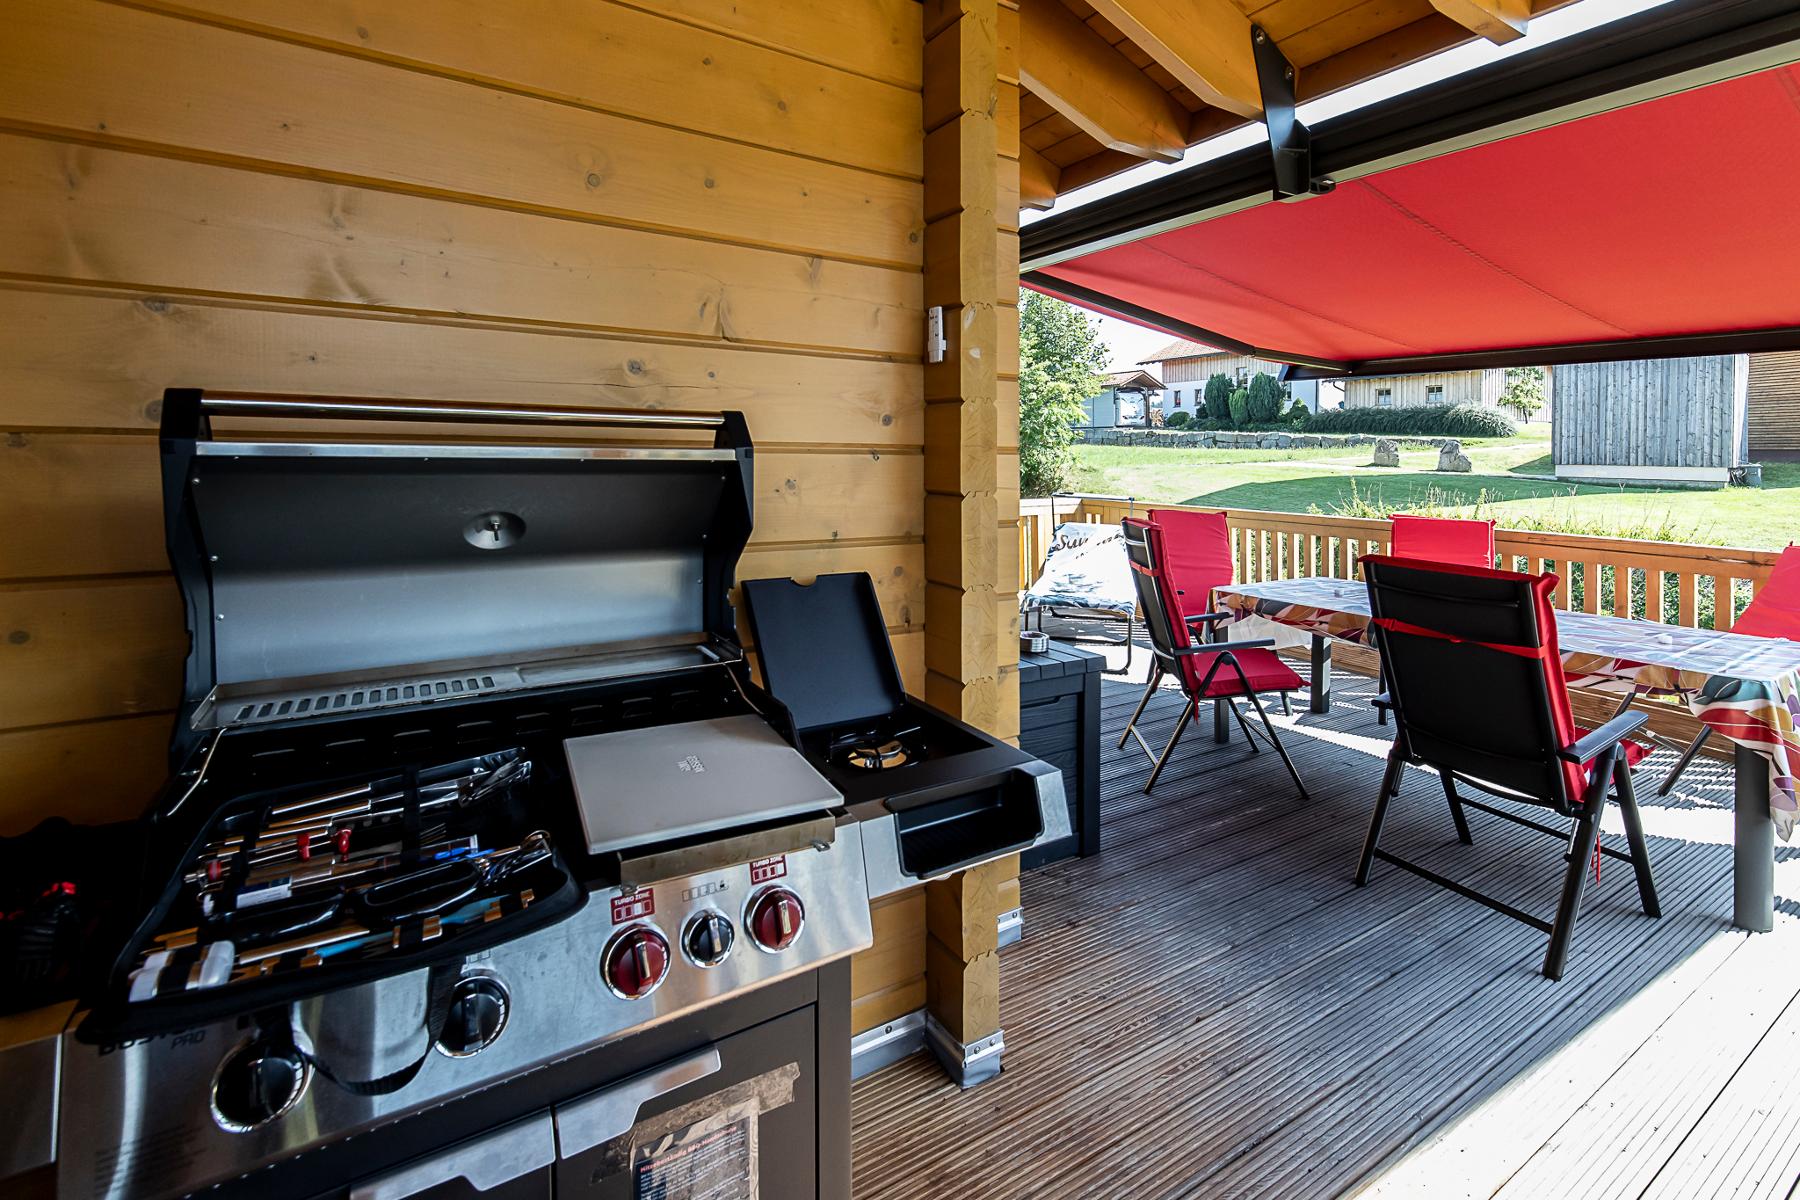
(1477, 692)
(1221, 672)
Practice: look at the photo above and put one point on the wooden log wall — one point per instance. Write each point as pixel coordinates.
(1774, 405)
(693, 204)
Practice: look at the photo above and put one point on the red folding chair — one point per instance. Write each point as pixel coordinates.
(1454, 540)
(1197, 552)
(1221, 672)
(1774, 612)
(1478, 695)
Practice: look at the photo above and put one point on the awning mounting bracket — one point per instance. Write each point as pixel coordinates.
(1290, 141)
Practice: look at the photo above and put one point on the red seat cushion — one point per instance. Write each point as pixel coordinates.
(1265, 671)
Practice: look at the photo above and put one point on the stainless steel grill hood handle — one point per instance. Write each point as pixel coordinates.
(276, 404)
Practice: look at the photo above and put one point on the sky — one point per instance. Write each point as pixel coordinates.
(1127, 344)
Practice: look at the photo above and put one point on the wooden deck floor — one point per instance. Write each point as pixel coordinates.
(1209, 1008)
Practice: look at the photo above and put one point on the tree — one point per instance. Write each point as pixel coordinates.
(1218, 399)
(1265, 398)
(1524, 391)
(1061, 363)
(1240, 407)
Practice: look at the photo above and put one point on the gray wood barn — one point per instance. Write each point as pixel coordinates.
(1672, 421)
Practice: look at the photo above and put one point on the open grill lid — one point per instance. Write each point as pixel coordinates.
(330, 577)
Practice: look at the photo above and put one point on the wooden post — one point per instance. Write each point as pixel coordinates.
(971, 104)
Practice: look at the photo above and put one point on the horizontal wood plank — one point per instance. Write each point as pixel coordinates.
(82, 650)
(878, 38)
(617, 59)
(898, 954)
(889, 1004)
(85, 214)
(73, 360)
(254, 100)
(88, 773)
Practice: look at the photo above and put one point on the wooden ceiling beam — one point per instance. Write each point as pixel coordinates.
(1203, 43)
(1073, 70)
(1495, 20)
(1039, 179)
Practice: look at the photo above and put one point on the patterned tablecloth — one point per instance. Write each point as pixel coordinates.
(1747, 688)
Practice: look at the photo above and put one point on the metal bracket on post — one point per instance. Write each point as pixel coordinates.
(1290, 141)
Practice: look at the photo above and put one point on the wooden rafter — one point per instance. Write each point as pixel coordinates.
(1495, 20)
(1203, 43)
(1072, 69)
(1039, 179)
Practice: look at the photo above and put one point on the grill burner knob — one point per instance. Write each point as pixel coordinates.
(635, 962)
(708, 939)
(257, 1083)
(775, 919)
(477, 1014)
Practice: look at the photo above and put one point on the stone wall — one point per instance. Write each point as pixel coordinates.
(1243, 439)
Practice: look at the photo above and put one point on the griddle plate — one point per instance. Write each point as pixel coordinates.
(640, 786)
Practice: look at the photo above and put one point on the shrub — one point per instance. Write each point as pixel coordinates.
(1218, 398)
(1433, 420)
(1178, 420)
(1299, 415)
(1265, 398)
(1240, 407)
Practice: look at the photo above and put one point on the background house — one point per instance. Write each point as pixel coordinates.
(1410, 391)
(1186, 366)
(1123, 401)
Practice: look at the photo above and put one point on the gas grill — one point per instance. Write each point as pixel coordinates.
(488, 866)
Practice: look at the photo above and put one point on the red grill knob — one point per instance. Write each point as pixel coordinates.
(635, 962)
(775, 919)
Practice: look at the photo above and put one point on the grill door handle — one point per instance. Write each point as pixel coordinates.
(487, 1162)
(598, 1119)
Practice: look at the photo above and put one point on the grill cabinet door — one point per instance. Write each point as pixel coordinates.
(692, 1139)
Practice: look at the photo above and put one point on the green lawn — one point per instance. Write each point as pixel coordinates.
(1342, 480)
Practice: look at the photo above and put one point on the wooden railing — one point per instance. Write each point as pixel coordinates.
(1659, 581)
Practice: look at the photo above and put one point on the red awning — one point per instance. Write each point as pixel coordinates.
(1676, 216)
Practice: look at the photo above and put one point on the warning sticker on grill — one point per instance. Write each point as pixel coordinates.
(713, 1159)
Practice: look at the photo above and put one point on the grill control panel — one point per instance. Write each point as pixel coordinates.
(234, 1104)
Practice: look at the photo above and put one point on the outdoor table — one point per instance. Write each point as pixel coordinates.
(1746, 688)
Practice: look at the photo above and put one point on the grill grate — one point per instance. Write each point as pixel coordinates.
(357, 697)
